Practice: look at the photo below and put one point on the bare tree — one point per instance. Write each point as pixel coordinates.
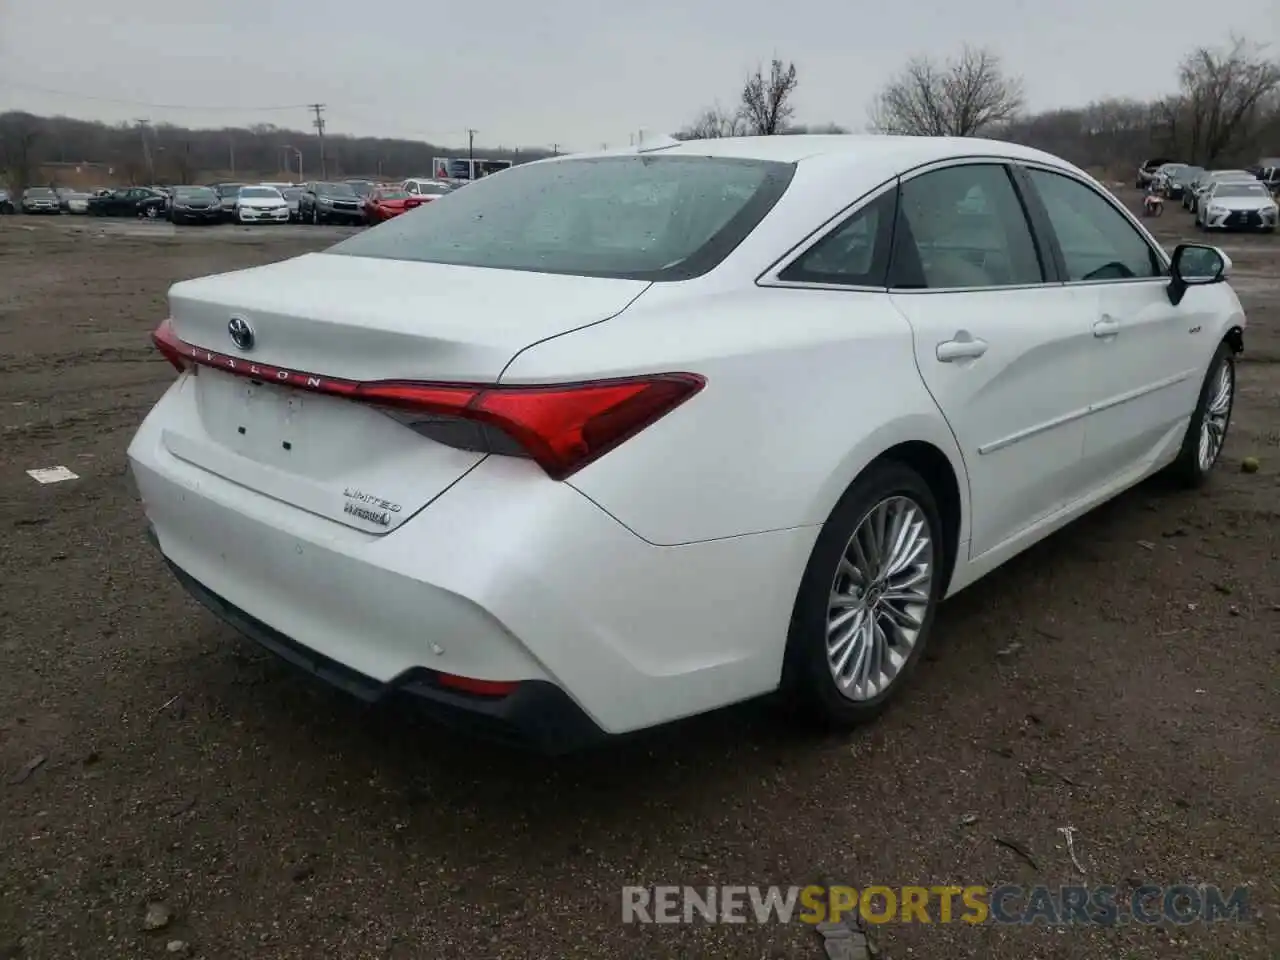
(963, 97)
(712, 123)
(766, 101)
(19, 135)
(1225, 96)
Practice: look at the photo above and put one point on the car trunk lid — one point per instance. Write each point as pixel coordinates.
(265, 418)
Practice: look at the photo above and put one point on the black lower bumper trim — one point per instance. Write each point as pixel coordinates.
(537, 714)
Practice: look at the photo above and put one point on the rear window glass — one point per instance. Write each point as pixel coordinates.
(633, 217)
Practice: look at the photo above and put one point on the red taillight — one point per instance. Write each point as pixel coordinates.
(169, 345)
(481, 688)
(562, 427)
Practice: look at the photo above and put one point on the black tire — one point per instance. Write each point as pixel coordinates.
(315, 216)
(1186, 470)
(807, 680)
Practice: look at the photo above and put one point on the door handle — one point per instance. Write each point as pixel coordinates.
(1106, 327)
(963, 346)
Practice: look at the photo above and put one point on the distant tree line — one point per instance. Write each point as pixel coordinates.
(167, 153)
(1226, 110)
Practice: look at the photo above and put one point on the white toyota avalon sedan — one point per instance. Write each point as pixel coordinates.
(614, 439)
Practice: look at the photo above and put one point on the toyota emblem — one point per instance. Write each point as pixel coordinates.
(241, 333)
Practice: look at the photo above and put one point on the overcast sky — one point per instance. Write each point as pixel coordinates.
(577, 73)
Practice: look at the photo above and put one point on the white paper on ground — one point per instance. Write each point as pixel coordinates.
(51, 475)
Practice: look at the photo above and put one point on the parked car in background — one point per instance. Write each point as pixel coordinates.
(1147, 172)
(361, 188)
(1165, 174)
(1208, 179)
(1237, 205)
(1270, 176)
(41, 200)
(293, 197)
(6, 203)
(427, 189)
(76, 202)
(195, 204)
(261, 204)
(130, 202)
(1180, 180)
(326, 202)
(571, 385)
(387, 202)
(227, 193)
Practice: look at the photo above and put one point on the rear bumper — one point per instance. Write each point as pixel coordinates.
(537, 714)
(505, 576)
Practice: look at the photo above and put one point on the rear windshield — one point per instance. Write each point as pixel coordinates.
(434, 189)
(633, 217)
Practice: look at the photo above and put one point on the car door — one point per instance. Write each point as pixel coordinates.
(1148, 354)
(1002, 347)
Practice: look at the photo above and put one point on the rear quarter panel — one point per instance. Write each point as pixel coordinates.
(804, 389)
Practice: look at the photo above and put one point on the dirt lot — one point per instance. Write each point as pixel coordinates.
(1120, 678)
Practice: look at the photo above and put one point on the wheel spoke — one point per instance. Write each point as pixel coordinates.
(879, 598)
(1217, 412)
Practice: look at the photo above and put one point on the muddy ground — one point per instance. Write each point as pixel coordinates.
(1121, 678)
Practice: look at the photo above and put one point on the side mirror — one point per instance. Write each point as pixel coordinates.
(1196, 265)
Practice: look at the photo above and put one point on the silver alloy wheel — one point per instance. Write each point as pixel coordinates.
(1217, 411)
(879, 598)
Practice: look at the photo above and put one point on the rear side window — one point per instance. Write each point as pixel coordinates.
(635, 217)
(963, 227)
(854, 254)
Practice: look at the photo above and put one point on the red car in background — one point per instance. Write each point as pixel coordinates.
(383, 203)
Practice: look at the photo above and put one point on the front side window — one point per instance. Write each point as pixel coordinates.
(1097, 241)
(963, 227)
(647, 217)
(856, 253)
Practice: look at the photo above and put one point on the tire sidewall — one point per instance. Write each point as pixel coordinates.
(1187, 464)
(806, 676)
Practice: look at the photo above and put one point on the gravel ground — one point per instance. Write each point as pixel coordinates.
(1120, 678)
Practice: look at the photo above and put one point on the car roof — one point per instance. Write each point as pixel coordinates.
(879, 149)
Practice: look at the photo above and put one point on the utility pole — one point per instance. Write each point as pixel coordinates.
(318, 123)
(471, 153)
(231, 151)
(555, 149)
